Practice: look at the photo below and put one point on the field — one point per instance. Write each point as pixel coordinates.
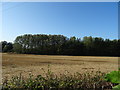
(14, 64)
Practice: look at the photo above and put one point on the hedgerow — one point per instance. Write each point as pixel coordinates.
(81, 81)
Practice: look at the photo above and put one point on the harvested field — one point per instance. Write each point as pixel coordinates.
(14, 64)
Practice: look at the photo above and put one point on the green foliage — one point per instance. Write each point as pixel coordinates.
(17, 48)
(113, 77)
(61, 45)
(6, 46)
(117, 87)
(66, 80)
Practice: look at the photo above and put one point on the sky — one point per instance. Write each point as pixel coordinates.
(96, 19)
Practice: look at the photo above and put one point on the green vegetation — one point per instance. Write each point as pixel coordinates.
(76, 81)
(61, 45)
(114, 77)
(6, 47)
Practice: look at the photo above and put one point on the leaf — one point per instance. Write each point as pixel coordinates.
(113, 77)
(116, 87)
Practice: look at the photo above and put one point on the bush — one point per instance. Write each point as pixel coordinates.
(114, 77)
(65, 81)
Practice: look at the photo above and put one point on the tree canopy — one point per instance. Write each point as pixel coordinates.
(61, 45)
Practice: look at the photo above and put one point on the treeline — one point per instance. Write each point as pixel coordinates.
(61, 45)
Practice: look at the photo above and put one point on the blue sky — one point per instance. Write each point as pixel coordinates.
(97, 19)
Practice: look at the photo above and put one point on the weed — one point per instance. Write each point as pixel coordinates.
(93, 80)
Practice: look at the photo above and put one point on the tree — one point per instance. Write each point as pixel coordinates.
(59, 44)
(6, 46)
(88, 42)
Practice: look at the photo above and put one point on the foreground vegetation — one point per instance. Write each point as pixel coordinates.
(114, 77)
(61, 45)
(88, 80)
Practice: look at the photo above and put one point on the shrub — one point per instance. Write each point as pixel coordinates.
(114, 77)
(65, 81)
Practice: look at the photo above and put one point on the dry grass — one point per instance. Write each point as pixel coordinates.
(13, 64)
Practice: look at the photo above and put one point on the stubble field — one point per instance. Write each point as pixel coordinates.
(14, 64)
